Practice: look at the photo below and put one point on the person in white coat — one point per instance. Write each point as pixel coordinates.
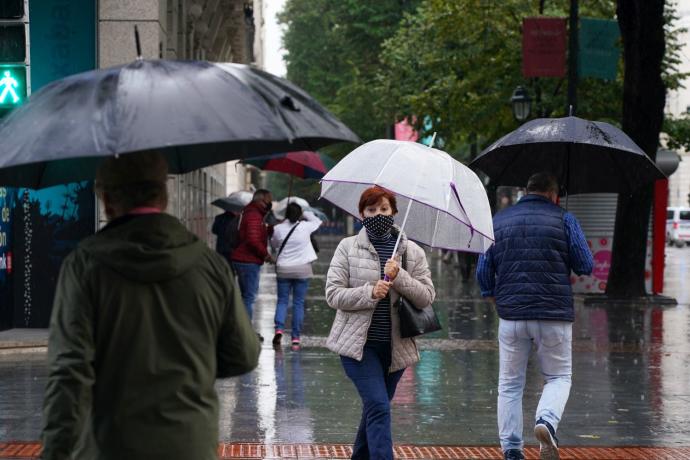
(295, 254)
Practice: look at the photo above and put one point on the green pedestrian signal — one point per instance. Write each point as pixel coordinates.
(8, 85)
(12, 86)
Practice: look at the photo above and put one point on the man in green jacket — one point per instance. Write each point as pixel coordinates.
(145, 318)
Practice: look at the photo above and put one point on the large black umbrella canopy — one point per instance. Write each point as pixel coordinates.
(586, 156)
(196, 113)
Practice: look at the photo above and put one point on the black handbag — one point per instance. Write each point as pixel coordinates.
(415, 321)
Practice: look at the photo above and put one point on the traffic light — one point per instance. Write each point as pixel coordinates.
(11, 9)
(13, 57)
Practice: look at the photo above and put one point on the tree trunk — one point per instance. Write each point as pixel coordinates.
(644, 95)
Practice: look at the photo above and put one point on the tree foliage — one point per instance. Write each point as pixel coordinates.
(459, 62)
(678, 132)
(676, 128)
(333, 50)
(455, 62)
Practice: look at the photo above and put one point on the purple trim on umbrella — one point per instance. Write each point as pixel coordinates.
(409, 198)
(457, 197)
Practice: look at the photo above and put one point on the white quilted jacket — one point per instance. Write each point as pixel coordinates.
(351, 277)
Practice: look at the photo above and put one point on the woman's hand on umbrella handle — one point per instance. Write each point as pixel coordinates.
(391, 269)
(380, 289)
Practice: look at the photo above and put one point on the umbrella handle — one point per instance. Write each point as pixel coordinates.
(433, 138)
(397, 241)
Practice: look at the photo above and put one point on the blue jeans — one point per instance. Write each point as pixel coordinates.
(376, 386)
(553, 340)
(299, 291)
(248, 278)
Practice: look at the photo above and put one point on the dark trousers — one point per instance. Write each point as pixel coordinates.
(376, 386)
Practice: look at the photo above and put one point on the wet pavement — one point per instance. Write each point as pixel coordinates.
(631, 382)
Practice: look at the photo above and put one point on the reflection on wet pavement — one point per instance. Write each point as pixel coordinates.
(631, 383)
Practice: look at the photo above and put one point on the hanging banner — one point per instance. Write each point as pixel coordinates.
(599, 52)
(405, 132)
(543, 47)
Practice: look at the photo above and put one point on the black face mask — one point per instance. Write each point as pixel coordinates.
(269, 205)
(379, 225)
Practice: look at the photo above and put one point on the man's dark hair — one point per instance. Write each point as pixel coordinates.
(542, 182)
(293, 212)
(260, 194)
(133, 180)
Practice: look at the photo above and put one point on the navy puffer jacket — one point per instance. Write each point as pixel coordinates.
(532, 262)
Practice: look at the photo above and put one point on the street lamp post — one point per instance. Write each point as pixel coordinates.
(521, 103)
(571, 108)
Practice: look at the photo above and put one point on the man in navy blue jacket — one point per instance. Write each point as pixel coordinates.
(527, 273)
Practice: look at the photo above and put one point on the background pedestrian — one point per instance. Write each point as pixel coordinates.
(226, 228)
(252, 250)
(294, 255)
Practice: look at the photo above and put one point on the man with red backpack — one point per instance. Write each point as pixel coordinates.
(252, 250)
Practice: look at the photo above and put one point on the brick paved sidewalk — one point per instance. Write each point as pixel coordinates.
(31, 450)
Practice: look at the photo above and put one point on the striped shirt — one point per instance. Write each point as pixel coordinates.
(380, 328)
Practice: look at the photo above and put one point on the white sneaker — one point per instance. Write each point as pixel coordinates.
(548, 445)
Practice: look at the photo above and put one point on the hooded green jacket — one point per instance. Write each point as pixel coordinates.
(145, 318)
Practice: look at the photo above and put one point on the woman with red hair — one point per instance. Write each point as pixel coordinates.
(366, 329)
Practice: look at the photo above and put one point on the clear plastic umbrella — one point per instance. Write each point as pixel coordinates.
(234, 202)
(442, 203)
(281, 206)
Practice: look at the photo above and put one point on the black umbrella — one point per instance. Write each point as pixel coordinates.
(586, 156)
(197, 113)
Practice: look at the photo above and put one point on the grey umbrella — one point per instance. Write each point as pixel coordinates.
(586, 156)
(197, 113)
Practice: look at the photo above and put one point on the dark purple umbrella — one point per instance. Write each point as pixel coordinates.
(586, 156)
